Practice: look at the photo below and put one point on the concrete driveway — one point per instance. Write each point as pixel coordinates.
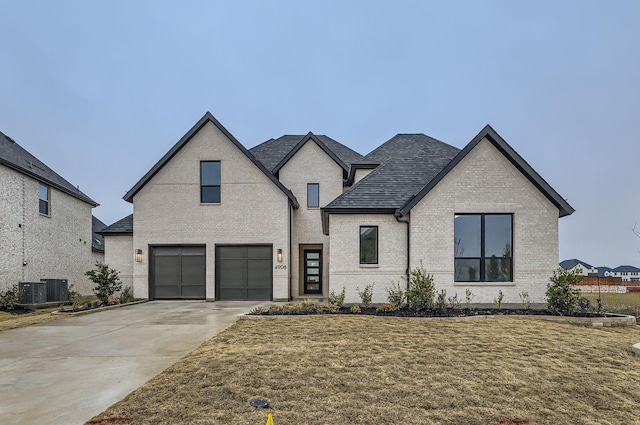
(67, 371)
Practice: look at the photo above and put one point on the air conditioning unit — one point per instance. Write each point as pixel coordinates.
(57, 289)
(34, 292)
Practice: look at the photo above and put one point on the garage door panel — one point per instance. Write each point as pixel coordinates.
(244, 273)
(178, 272)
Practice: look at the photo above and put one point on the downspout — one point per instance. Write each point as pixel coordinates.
(290, 249)
(397, 216)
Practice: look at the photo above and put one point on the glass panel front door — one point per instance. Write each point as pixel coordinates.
(312, 271)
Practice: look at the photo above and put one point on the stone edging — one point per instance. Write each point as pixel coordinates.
(96, 310)
(610, 320)
(636, 349)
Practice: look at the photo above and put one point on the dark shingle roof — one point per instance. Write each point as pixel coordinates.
(408, 162)
(625, 268)
(97, 242)
(602, 270)
(120, 227)
(16, 157)
(273, 151)
(569, 264)
(409, 145)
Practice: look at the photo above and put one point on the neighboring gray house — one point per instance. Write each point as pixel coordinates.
(299, 216)
(45, 222)
(580, 267)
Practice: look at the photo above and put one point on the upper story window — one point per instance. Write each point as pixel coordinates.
(483, 247)
(313, 195)
(368, 244)
(44, 193)
(210, 182)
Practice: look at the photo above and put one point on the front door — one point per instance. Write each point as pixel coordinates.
(312, 271)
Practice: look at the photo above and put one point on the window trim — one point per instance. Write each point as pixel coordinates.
(482, 258)
(219, 186)
(318, 200)
(47, 201)
(377, 260)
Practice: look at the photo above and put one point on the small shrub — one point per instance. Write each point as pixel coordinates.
(113, 301)
(421, 291)
(322, 308)
(526, 300)
(274, 309)
(334, 308)
(72, 293)
(562, 296)
(337, 299)
(127, 295)
(498, 301)
(395, 296)
(296, 309)
(96, 303)
(453, 302)
(10, 298)
(308, 307)
(355, 308)
(584, 305)
(257, 311)
(385, 308)
(286, 308)
(468, 297)
(107, 281)
(366, 295)
(441, 300)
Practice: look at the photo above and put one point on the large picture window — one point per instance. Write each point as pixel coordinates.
(483, 247)
(43, 195)
(210, 182)
(368, 244)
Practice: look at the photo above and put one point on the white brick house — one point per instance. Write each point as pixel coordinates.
(45, 223)
(298, 216)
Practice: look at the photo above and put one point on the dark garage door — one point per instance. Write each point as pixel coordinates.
(177, 272)
(243, 273)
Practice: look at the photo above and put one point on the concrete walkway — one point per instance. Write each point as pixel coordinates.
(69, 370)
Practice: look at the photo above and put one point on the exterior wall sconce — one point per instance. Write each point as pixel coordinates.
(138, 255)
(279, 255)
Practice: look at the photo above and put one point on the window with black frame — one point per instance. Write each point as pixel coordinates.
(483, 247)
(210, 182)
(368, 244)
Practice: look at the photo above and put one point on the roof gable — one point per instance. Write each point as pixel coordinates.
(569, 264)
(17, 158)
(503, 147)
(208, 117)
(274, 153)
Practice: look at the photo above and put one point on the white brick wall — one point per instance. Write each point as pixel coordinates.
(486, 182)
(345, 268)
(57, 247)
(310, 165)
(168, 210)
(119, 256)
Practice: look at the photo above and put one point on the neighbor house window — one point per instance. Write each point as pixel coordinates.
(210, 182)
(43, 204)
(368, 244)
(483, 247)
(313, 195)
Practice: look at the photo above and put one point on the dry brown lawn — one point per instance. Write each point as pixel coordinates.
(12, 321)
(366, 370)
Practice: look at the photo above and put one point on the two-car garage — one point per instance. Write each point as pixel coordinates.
(242, 272)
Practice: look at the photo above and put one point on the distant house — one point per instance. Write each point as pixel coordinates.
(45, 222)
(301, 215)
(581, 267)
(627, 273)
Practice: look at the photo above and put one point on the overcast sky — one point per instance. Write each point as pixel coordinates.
(99, 91)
